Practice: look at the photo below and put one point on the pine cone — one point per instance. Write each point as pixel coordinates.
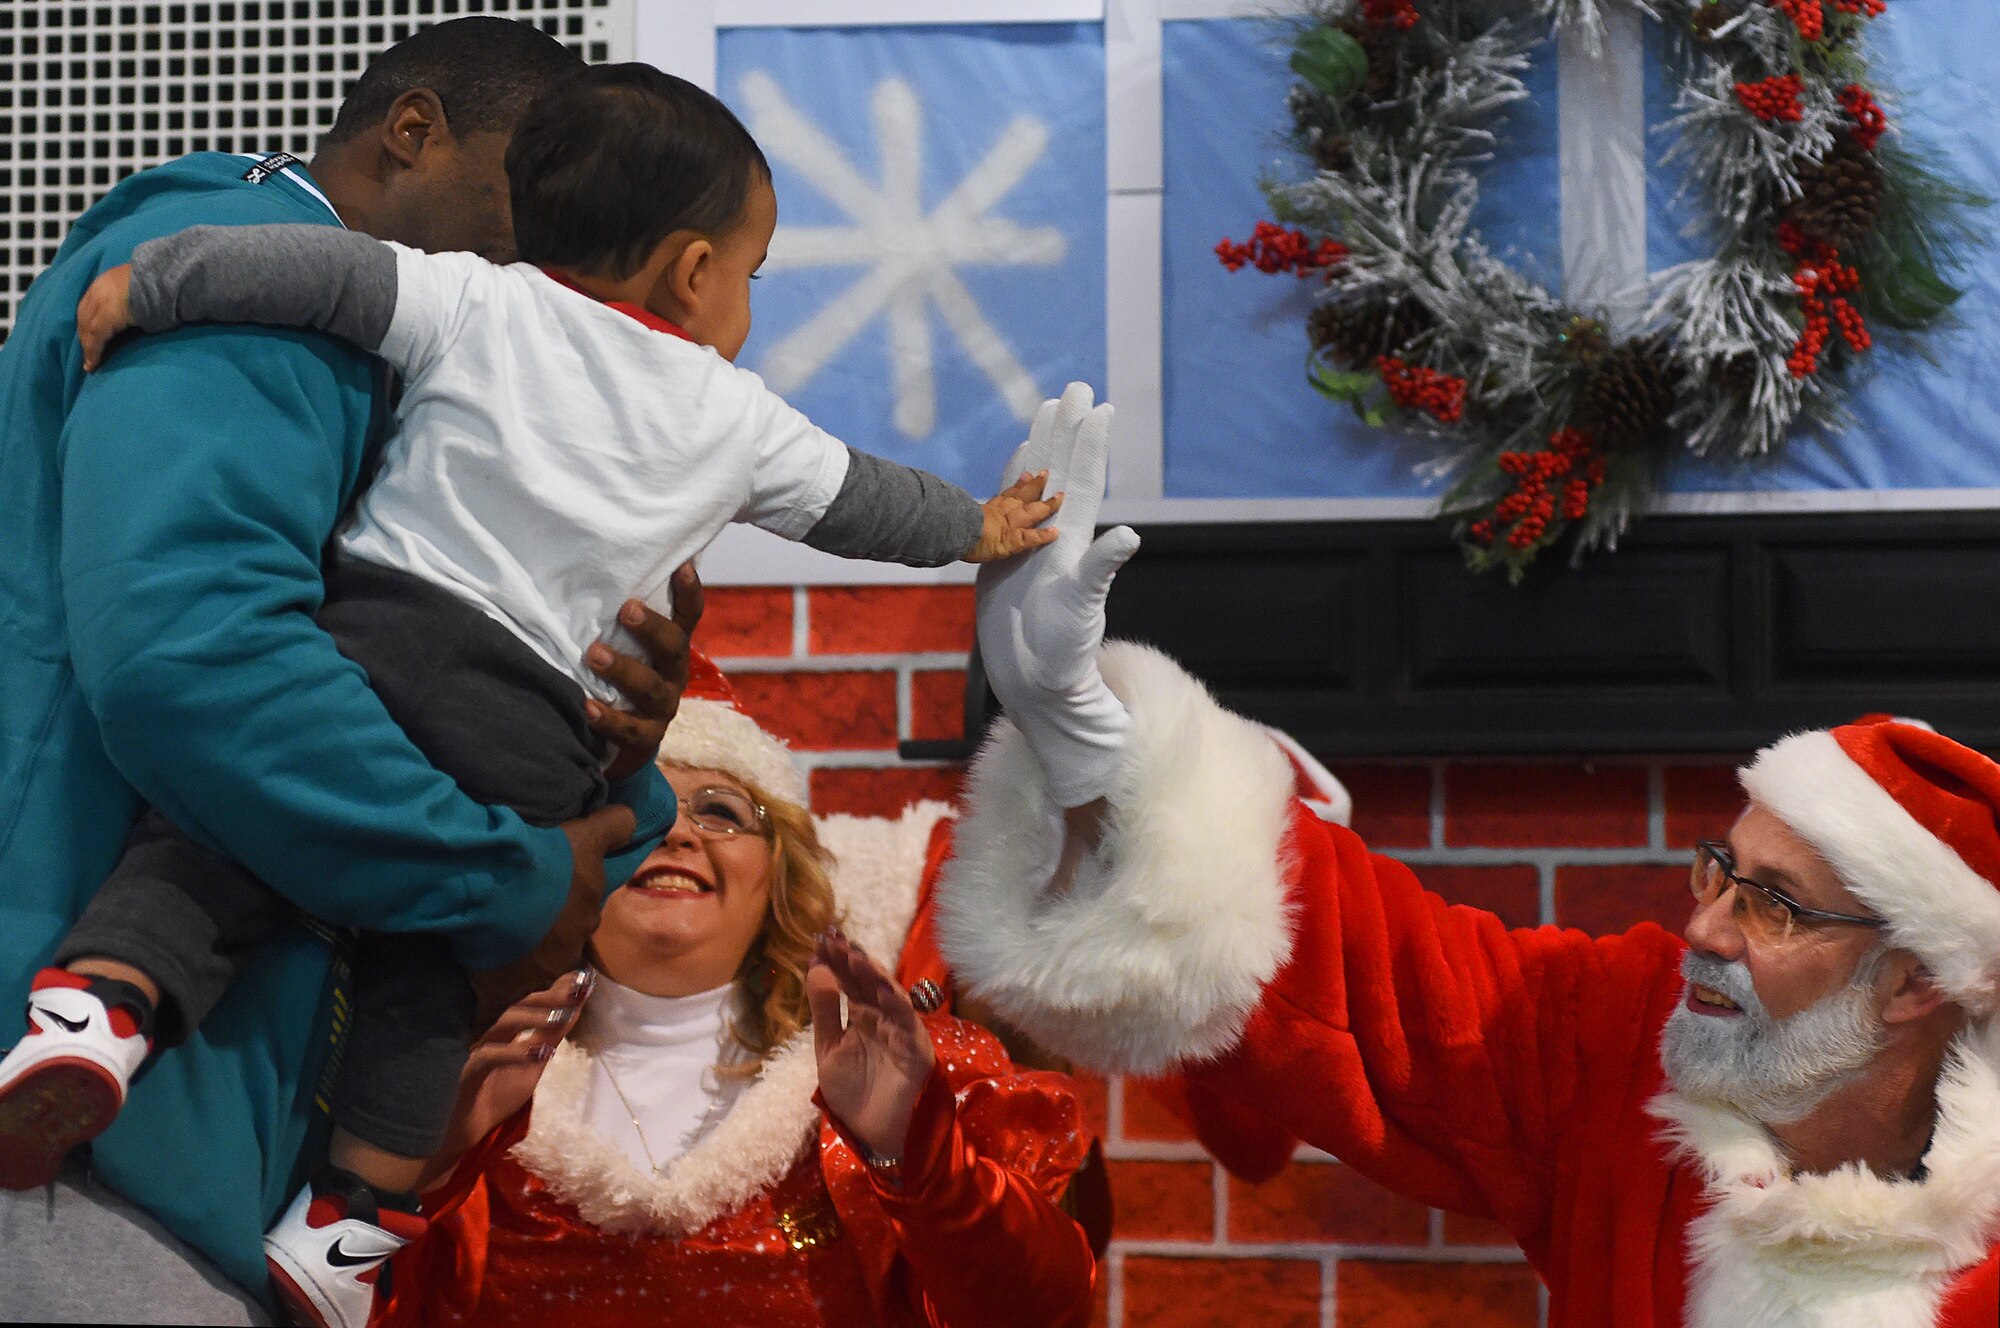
(1333, 152)
(1583, 340)
(1710, 18)
(1841, 195)
(1627, 400)
(1736, 376)
(1354, 333)
(1379, 43)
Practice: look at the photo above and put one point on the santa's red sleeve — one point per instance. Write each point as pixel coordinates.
(1222, 935)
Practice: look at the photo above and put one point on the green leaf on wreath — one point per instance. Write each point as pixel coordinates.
(1343, 385)
(1331, 61)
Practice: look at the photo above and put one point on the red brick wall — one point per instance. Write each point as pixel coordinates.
(845, 673)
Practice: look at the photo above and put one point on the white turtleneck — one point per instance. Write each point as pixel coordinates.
(662, 1052)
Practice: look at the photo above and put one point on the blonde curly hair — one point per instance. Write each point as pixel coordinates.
(771, 984)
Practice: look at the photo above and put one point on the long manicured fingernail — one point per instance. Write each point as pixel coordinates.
(543, 1052)
(585, 982)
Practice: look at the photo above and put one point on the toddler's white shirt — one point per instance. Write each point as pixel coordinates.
(546, 509)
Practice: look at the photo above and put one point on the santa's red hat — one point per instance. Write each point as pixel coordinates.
(1911, 822)
(712, 732)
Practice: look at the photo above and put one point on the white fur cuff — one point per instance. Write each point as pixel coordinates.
(1162, 947)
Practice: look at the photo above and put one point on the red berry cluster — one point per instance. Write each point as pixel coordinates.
(1807, 16)
(1569, 470)
(1390, 13)
(1413, 386)
(1869, 121)
(1822, 282)
(1272, 248)
(1773, 98)
(1867, 8)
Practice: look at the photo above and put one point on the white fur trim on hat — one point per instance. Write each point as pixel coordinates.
(1938, 907)
(1160, 950)
(713, 735)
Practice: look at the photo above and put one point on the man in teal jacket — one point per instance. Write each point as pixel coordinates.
(161, 524)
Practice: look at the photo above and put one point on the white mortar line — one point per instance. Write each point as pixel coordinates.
(1312, 1252)
(801, 624)
(1656, 807)
(1155, 1150)
(1639, 855)
(1437, 803)
(1219, 1183)
(904, 690)
(870, 663)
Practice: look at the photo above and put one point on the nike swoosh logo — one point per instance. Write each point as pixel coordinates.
(340, 1258)
(73, 1025)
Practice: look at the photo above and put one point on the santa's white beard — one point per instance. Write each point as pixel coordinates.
(1774, 1071)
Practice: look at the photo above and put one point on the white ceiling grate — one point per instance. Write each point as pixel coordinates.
(90, 92)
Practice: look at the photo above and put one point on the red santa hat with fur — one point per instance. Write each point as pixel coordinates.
(711, 731)
(1911, 822)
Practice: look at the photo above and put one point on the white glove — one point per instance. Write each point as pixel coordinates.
(1041, 616)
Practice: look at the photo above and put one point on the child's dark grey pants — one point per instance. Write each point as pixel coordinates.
(488, 712)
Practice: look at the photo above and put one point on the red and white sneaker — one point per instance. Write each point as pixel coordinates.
(327, 1252)
(65, 1081)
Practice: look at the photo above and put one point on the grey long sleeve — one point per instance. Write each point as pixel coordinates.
(890, 513)
(319, 277)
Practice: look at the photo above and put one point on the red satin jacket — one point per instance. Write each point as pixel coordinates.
(972, 1238)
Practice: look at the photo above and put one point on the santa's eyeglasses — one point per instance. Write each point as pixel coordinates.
(1763, 912)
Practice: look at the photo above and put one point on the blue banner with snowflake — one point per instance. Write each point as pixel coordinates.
(939, 265)
(1240, 421)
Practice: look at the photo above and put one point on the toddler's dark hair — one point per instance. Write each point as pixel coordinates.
(612, 160)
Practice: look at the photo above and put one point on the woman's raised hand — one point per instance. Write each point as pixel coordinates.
(507, 1062)
(873, 1068)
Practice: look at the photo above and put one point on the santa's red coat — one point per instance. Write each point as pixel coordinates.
(1294, 987)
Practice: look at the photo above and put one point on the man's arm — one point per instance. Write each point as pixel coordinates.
(1201, 923)
(202, 474)
(1137, 888)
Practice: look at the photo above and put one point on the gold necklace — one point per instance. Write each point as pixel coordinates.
(630, 1114)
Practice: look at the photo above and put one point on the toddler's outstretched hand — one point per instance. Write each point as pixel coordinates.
(1014, 519)
(104, 311)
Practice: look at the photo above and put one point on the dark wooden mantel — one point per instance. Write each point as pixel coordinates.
(1700, 634)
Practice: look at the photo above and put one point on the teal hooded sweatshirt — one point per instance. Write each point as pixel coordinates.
(161, 525)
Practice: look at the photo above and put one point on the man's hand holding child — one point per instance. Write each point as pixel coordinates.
(1014, 519)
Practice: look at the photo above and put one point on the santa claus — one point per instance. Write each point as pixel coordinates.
(1788, 1116)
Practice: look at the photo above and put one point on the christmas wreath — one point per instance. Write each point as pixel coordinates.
(1825, 231)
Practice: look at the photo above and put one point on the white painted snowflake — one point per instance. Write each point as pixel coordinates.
(912, 256)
